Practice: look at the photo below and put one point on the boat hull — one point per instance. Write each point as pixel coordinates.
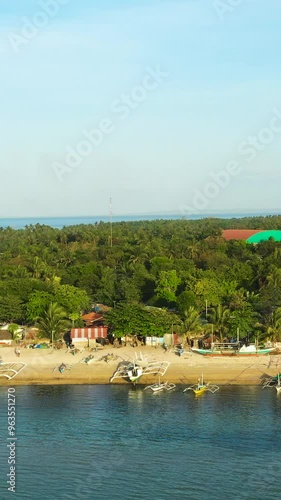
(199, 391)
(135, 375)
(160, 387)
(229, 352)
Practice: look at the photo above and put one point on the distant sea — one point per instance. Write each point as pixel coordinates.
(60, 222)
(120, 443)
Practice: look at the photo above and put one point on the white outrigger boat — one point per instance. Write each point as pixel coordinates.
(160, 386)
(201, 387)
(10, 370)
(233, 349)
(137, 368)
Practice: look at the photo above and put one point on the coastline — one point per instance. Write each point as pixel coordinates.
(42, 367)
(59, 222)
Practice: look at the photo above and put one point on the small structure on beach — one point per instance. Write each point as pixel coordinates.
(93, 319)
(5, 337)
(90, 333)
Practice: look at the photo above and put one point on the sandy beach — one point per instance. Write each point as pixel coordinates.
(42, 367)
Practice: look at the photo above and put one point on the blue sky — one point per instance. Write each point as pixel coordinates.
(222, 85)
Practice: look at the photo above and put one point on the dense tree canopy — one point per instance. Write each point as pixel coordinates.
(176, 265)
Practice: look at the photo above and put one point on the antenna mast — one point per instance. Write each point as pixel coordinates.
(110, 217)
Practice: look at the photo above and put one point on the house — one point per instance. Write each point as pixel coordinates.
(251, 235)
(239, 234)
(93, 319)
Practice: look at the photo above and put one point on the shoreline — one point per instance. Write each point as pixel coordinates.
(42, 367)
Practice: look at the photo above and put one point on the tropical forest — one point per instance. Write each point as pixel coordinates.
(155, 277)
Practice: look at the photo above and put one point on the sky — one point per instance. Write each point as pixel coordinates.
(162, 106)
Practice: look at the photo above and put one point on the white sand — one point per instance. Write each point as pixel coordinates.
(42, 367)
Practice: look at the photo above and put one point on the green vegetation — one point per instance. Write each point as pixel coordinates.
(157, 276)
(53, 322)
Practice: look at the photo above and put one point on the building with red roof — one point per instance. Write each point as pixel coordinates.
(239, 234)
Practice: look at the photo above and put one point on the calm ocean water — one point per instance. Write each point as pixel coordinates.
(59, 222)
(114, 442)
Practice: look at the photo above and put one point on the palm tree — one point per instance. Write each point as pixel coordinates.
(192, 322)
(273, 326)
(53, 322)
(274, 278)
(219, 317)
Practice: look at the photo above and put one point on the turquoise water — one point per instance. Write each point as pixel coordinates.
(114, 442)
(59, 222)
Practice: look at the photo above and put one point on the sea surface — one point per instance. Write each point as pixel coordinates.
(59, 222)
(119, 443)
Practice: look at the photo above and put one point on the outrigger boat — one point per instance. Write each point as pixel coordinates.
(272, 381)
(139, 367)
(134, 373)
(160, 386)
(201, 387)
(278, 386)
(10, 370)
(233, 349)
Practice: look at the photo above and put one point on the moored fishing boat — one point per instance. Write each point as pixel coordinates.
(160, 386)
(233, 349)
(201, 387)
(278, 385)
(270, 381)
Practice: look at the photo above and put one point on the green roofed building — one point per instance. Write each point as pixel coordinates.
(264, 236)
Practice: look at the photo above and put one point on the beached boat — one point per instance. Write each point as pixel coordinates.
(139, 367)
(134, 373)
(233, 349)
(201, 387)
(10, 370)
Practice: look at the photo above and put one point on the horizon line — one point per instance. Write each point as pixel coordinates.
(275, 211)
